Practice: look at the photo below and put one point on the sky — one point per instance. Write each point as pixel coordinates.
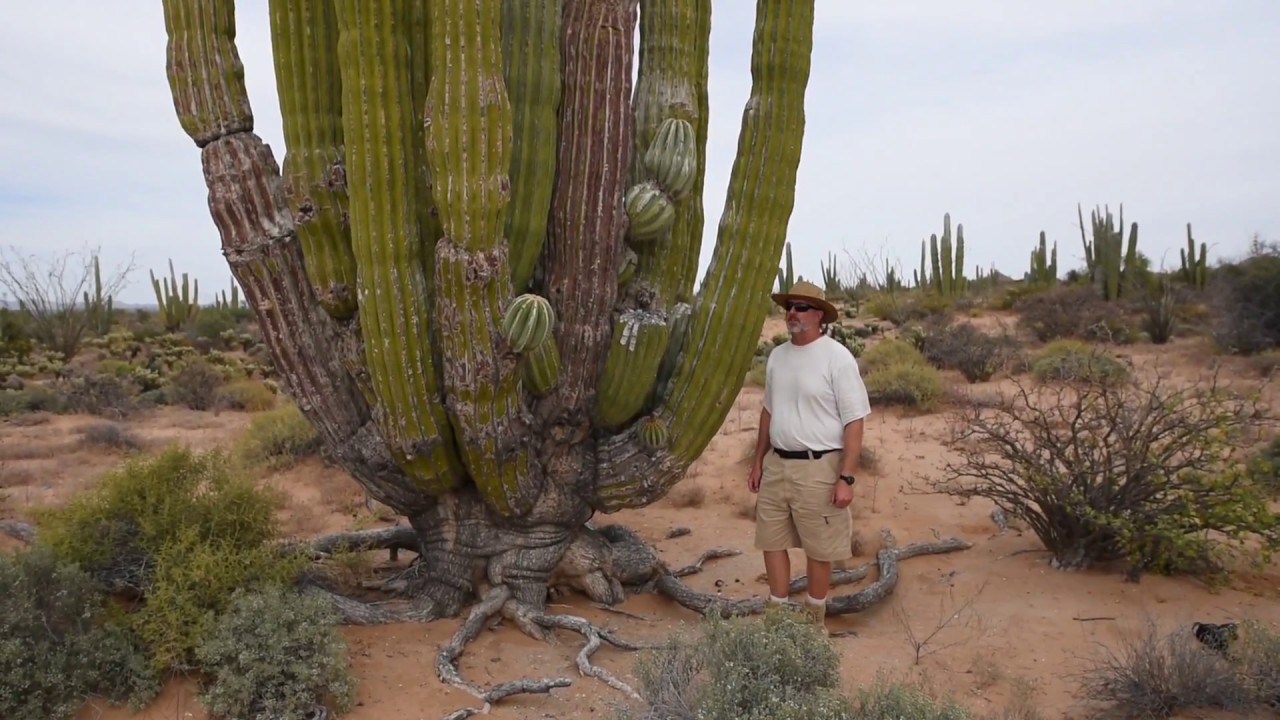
(1003, 113)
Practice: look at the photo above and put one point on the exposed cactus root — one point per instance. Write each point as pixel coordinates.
(603, 563)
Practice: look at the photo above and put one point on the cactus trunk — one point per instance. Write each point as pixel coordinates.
(487, 150)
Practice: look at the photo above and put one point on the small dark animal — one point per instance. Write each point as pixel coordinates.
(1216, 637)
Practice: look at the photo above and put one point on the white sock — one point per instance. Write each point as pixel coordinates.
(778, 600)
(816, 602)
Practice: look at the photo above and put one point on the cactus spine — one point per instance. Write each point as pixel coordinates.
(179, 304)
(1044, 263)
(1195, 270)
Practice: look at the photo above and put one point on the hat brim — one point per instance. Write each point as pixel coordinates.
(829, 312)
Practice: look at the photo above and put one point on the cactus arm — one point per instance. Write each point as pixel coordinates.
(378, 120)
(958, 281)
(948, 274)
(531, 54)
(588, 219)
(727, 315)
(673, 66)
(304, 40)
(249, 209)
(469, 139)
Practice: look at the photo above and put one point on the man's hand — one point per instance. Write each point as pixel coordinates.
(753, 479)
(842, 495)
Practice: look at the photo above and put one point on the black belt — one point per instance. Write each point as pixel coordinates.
(803, 454)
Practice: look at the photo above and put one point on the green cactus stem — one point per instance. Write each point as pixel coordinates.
(540, 368)
(98, 307)
(1044, 263)
(179, 304)
(469, 141)
(304, 40)
(230, 305)
(391, 287)
(786, 273)
(531, 59)
(1195, 270)
(948, 263)
(1112, 263)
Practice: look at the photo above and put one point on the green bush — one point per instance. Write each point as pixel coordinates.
(59, 643)
(915, 385)
(1071, 360)
(963, 347)
(887, 353)
(887, 700)
(775, 667)
(278, 439)
(275, 654)
(180, 530)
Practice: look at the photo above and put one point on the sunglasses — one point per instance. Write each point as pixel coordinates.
(800, 307)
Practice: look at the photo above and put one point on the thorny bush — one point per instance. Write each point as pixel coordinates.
(1104, 470)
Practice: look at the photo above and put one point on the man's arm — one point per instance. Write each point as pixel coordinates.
(762, 437)
(852, 447)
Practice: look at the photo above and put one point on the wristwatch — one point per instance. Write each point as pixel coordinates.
(848, 479)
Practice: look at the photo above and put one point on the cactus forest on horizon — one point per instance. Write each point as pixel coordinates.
(475, 265)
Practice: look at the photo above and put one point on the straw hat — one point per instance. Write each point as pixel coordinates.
(805, 291)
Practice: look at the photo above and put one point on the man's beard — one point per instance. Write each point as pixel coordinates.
(795, 326)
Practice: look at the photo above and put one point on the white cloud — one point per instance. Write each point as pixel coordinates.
(1005, 114)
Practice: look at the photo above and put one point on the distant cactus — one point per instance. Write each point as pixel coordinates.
(221, 302)
(179, 304)
(786, 273)
(1044, 263)
(98, 307)
(1112, 266)
(948, 271)
(1195, 271)
(831, 276)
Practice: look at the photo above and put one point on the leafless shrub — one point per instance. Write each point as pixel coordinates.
(51, 291)
(1156, 676)
(1104, 470)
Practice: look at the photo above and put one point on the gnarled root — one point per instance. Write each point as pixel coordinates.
(887, 560)
(500, 600)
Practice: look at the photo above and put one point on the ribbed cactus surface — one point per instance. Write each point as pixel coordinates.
(476, 271)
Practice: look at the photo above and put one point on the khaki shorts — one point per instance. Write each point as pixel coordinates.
(794, 510)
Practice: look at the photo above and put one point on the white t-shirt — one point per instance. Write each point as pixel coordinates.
(811, 392)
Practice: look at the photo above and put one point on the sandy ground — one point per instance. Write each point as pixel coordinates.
(1018, 621)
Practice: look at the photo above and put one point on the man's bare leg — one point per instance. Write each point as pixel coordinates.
(819, 572)
(777, 568)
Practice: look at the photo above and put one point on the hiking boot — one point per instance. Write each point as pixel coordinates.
(817, 612)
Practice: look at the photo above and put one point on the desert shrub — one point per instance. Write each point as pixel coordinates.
(889, 352)
(915, 385)
(33, 398)
(1068, 360)
(97, 394)
(247, 395)
(1244, 301)
(887, 700)
(1160, 311)
(195, 385)
(1158, 676)
(180, 530)
(975, 354)
(110, 436)
(778, 667)
(1073, 311)
(275, 653)
(59, 644)
(278, 439)
(1133, 470)
(1263, 467)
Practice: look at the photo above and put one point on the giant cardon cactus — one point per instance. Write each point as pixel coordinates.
(476, 268)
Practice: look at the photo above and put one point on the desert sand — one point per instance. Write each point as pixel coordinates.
(1019, 626)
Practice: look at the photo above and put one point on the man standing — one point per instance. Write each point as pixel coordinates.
(807, 449)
